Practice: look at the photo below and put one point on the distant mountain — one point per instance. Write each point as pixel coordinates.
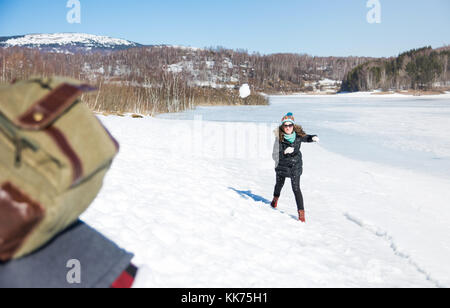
(67, 42)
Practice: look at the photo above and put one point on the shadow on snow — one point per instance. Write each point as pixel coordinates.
(248, 194)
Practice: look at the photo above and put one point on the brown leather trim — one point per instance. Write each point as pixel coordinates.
(66, 149)
(19, 216)
(46, 110)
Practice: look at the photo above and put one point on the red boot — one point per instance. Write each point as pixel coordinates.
(274, 203)
(301, 216)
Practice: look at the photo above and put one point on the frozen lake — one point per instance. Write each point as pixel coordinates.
(403, 131)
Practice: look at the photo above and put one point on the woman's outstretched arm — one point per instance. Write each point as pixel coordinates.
(310, 138)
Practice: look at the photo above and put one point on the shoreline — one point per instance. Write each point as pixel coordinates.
(375, 94)
(372, 94)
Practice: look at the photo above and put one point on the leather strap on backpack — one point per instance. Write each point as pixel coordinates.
(47, 109)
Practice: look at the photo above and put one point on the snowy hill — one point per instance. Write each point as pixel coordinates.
(61, 42)
(191, 198)
(67, 42)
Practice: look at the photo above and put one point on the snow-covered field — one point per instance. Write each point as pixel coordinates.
(189, 194)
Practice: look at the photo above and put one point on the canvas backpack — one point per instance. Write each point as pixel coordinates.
(54, 154)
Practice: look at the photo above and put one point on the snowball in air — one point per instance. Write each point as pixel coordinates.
(245, 92)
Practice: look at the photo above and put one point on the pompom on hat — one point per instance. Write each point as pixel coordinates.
(288, 118)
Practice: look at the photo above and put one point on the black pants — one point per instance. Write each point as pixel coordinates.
(295, 188)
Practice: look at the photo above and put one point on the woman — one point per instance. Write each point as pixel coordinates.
(288, 159)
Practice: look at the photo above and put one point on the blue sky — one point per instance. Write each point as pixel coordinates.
(316, 27)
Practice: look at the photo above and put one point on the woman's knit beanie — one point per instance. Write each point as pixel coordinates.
(288, 118)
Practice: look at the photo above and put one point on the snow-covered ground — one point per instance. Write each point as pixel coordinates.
(324, 85)
(189, 194)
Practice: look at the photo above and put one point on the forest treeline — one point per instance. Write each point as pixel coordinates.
(159, 79)
(151, 80)
(417, 69)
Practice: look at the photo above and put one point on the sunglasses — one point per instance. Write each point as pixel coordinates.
(288, 125)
